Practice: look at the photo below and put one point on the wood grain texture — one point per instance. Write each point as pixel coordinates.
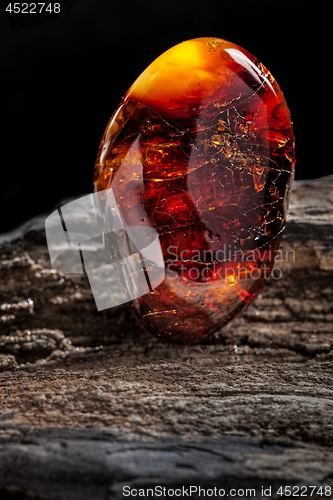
(90, 401)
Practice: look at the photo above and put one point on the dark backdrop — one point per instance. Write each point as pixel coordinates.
(62, 77)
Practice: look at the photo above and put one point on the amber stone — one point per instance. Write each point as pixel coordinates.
(201, 148)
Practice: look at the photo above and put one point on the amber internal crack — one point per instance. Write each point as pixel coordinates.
(201, 148)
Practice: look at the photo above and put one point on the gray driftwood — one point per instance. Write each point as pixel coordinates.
(90, 401)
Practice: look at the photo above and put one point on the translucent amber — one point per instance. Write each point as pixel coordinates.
(201, 148)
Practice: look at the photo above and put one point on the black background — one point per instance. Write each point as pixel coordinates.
(62, 79)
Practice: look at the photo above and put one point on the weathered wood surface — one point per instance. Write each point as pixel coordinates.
(90, 401)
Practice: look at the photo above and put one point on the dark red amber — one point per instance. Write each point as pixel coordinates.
(201, 148)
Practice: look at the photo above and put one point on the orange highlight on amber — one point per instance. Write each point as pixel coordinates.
(202, 149)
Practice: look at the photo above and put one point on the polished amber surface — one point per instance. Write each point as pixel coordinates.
(201, 148)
